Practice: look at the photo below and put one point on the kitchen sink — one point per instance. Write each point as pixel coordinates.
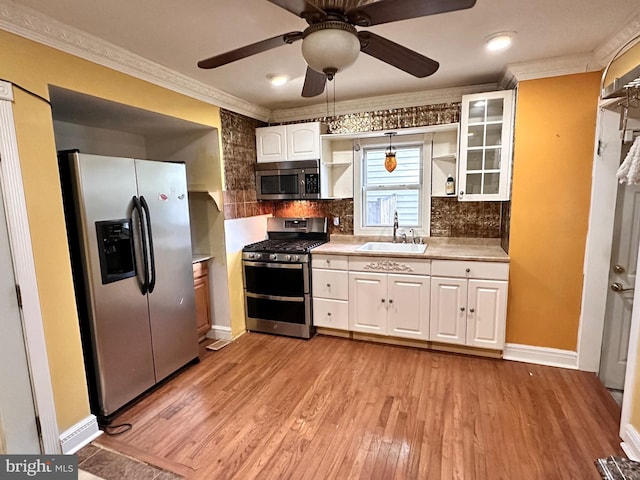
(392, 247)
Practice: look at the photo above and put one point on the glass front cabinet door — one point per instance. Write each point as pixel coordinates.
(486, 129)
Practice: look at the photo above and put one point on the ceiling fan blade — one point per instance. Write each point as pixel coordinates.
(303, 9)
(395, 54)
(314, 83)
(249, 50)
(386, 11)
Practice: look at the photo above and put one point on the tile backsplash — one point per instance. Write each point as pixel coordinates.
(449, 217)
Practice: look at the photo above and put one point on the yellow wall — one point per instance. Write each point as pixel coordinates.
(34, 66)
(553, 155)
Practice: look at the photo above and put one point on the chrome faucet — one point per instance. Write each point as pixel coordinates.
(395, 226)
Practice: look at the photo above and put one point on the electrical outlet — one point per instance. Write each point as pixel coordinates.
(336, 221)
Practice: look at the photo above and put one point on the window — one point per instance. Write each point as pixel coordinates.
(382, 193)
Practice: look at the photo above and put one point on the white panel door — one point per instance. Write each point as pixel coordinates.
(18, 433)
(409, 306)
(448, 323)
(368, 302)
(622, 274)
(486, 315)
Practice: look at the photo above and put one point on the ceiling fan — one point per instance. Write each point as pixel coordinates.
(331, 42)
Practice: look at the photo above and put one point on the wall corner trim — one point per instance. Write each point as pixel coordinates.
(79, 435)
(551, 357)
(631, 442)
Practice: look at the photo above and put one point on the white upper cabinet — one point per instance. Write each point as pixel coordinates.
(486, 132)
(281, 143)
(271, 143)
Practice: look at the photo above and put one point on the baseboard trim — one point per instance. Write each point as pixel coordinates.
(220, 332)
(631, 442)
(552, 357)
(81, 434)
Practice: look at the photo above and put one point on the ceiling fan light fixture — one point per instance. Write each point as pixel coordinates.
(499, 41)
(331, 46)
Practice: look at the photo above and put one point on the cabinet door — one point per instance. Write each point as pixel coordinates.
(368, 302)
(408, 306)
(485, 146)
(271, 144)
(303, 141)
(201, 290)
(448, 322)
(487, 313)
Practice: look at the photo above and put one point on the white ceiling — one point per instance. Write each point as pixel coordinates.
(179, 34)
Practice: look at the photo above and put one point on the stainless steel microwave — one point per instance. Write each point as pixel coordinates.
(299, 180)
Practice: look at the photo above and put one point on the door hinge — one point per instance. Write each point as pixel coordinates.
(599, 151)
(38, 426)
(19, 296)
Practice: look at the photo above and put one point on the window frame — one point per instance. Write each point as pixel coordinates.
(423, 139)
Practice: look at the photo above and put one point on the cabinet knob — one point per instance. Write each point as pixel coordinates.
(328, 285)
(472, 310)
(382, 300)
(390, 300)
(328, 314)
(462, 309)
(467, 270)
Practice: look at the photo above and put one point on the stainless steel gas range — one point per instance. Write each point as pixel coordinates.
(277, 276)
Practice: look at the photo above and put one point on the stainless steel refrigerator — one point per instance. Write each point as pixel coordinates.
(129, 237)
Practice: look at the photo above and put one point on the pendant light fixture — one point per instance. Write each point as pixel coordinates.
(390, 162)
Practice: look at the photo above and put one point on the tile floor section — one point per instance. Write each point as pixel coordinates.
(98, 463)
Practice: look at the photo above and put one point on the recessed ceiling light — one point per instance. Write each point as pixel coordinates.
(499, 41)
(277, 80)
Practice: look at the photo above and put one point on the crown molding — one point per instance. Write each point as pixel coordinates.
(549, 67)
(605, 53)
(33, 25)
(384, 102)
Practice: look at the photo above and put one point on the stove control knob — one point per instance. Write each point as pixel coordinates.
(273, 256)
(255, 255)
(287, 258)
(249, 256)
(295, 258)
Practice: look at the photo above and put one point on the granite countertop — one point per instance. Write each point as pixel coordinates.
(200, 257)
(480, 249)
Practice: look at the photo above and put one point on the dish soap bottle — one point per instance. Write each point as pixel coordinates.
(450, 188)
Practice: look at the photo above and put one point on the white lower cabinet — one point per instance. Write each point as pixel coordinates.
(394, 304)
(469, 311)
(445, 301)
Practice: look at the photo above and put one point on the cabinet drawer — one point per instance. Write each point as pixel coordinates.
(330, 284)
(331, 313)
(405, 266)
(470, 269)
(330, 262)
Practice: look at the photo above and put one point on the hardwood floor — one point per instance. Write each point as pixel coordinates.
(272, 407)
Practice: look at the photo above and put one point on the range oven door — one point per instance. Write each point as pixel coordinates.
(277, 298)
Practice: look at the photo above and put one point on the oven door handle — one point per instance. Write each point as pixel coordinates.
(275, 297)
(292, 266)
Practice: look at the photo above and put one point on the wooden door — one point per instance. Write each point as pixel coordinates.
(448, 322)
(409, 306)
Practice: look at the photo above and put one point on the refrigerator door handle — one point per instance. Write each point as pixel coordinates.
(152, 282)
(144, 286)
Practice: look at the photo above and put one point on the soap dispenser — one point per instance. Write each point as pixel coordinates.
(450, 188)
